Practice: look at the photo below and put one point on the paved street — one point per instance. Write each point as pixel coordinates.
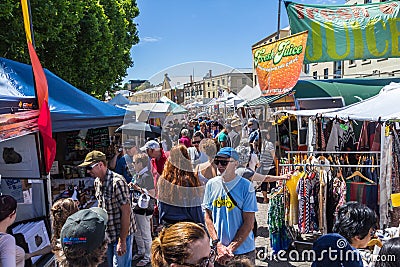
(262, 241)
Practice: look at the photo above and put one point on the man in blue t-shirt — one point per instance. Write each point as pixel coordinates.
(230, 205)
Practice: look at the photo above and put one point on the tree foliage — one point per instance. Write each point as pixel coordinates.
(87, 43)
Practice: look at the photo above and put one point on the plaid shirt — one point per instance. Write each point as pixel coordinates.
(111, 194)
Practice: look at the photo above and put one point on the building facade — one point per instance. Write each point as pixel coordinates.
(172, 90)
(231, 82)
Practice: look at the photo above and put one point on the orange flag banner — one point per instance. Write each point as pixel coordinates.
(42, 93)
(278, 64)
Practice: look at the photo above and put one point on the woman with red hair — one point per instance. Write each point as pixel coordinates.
(180, 194)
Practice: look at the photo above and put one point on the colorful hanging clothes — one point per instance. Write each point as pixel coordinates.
(341, 138)
(279, 238)
(364, 193)
(307, 216)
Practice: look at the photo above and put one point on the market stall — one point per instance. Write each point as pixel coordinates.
(341, 164)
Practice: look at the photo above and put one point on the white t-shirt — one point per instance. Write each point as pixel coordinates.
(197, 157)
(11, 255)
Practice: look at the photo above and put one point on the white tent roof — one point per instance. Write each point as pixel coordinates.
(383, 106)
(248, 93)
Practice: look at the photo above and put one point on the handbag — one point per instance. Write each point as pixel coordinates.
(255, 226)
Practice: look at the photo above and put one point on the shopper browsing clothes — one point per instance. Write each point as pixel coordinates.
(230, 204)
(124, 164)
(112, 193)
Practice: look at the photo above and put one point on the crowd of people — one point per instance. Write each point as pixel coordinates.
(198, 185)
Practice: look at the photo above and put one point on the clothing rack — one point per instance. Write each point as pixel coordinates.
(327, 165)
(332, 152)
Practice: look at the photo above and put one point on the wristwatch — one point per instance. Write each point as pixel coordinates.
(215, 242)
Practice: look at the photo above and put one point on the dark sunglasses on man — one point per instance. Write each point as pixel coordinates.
(222, 162)
(90, 167)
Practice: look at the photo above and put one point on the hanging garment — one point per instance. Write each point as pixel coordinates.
(342, 137)
(364, 193)
(279, 238)
(306, 209)
(376, 143)
(385, 184)
(291, 184)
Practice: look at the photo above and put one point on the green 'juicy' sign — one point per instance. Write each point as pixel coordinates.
(347, 32)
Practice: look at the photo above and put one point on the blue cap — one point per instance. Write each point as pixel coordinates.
(228, 152)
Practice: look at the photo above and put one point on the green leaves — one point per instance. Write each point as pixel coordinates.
(87, 43)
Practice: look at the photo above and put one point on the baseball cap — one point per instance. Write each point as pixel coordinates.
(92, 157)
(84, 229)
(228, 152)
(152, 144)
(129, 143)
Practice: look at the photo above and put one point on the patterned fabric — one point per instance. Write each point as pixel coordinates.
(307, 216)
(111, 195)
(279, 238)
(385, 185)
(364, 193)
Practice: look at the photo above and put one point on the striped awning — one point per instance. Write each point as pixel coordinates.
(266, 100)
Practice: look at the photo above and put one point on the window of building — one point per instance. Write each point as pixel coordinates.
(244, 81)
(218, 82)
(209, 94)
(306, 68)
(223, 81)
(315, 75)
(326, 73)
(208, 84)
(213, 94)
(337, 69)
(213, 83)
(365, 61)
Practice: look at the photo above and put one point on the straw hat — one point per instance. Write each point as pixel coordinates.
(235, 123)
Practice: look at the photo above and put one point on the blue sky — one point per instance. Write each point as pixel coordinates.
(222, 31)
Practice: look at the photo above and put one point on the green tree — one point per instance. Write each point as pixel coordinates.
(87, 43)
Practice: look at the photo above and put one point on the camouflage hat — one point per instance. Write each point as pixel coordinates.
(93, 157)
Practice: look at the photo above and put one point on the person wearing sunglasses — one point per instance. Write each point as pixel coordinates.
(230, 205)
(190, 248)
(113, 195)
(196, 155)
(10, 254)
(354, 227)
(124, 164)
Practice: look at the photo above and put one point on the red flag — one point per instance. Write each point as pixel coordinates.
(44, 121)
(45, 129)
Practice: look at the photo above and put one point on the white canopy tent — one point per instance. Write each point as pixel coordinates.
(145, 111)
(381, 107)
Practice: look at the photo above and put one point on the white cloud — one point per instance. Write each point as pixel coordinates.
(149, 39)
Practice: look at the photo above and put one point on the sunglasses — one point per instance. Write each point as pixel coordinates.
(204, 263)
(222, 162)
(90, 167)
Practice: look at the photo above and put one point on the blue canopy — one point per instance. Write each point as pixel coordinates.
(70, 108)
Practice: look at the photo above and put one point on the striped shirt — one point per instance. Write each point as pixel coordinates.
(111, 195)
